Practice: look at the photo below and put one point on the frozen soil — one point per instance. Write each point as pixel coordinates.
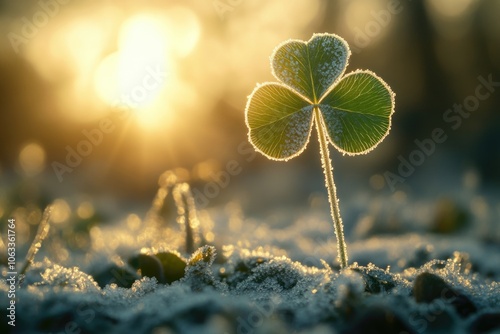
(416, 267)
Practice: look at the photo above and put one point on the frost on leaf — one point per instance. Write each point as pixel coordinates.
(297, 132)
(311, 67)
(356, 108)
(353, 133)
(357, 112)
(279, 121)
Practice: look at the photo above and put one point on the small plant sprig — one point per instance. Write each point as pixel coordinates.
(41, 234)
(352, 111)
(187, 215)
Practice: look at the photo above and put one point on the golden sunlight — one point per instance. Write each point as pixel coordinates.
(142, 74)
(138, 72)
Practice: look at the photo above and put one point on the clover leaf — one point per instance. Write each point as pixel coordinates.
(353, 111)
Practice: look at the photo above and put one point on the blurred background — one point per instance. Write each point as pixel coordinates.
(98, 98)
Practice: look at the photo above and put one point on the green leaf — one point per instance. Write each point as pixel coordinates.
(357, 112)
(311, 67)
(173, 266)
(166, 267)
(279, 121)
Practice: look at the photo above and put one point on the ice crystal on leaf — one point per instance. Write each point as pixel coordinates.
(355, 109)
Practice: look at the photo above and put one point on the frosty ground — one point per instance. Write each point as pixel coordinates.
(417, 266)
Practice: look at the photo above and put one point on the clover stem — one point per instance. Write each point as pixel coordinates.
(332, 191)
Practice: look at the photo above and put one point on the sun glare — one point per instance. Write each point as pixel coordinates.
(134, 75)
(142, 74)
(113, 58)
